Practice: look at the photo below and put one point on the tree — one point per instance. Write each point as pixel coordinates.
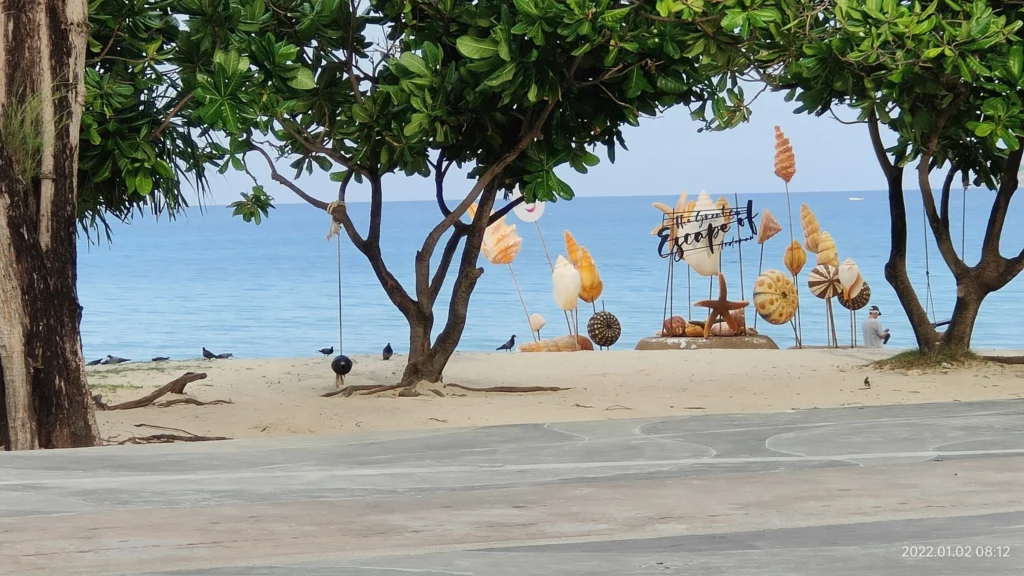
(511, 89)
(947, 78)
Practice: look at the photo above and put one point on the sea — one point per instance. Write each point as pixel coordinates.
(169, 288)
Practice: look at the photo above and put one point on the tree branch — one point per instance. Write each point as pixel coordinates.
(876, 142)
(446, 260)
(944, 206)
(343, 188)
(276, 177)
(170, 115)
(941, 234)
(439, 175)
(349, 56)
(1000, 206)
(505, 210)
(332, 154)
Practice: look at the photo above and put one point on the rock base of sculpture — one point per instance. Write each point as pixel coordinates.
(758, 342)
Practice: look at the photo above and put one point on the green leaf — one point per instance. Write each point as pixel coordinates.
(417, 123)
(635, 82)
(932, 53)
(994, 107)
(415, 64)
(476, 48)
(1015, 61)
(339, 176)
(501, 75)
(532, 95)
(303, 80)
(361, 114)
(614, 15)
(983, 129)
(143, 183)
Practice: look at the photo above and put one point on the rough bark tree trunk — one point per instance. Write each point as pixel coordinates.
(43, 389)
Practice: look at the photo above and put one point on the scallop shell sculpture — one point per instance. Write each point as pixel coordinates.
(809, 223)
(775, 297)
(674, 327)
(785, 160)
(824, 281)
(769, 227)
(856, 302)
(604, 329)
(794, 258)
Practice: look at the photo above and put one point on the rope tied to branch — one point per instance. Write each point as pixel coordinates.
(335, 225)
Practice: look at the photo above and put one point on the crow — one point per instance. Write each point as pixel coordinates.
(326, 351)
(508, 345)
(115, 360)
(207, 354)
(95, 362)
(160, 359)
(388, 352)
(224, 356)
(867, 383)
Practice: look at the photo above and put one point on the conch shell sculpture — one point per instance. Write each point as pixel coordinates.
(673, 232)
(723, 205)
(566, 281)
(769, 227)
(699, 254)
(569, 343)
(590, 281)
(811, 228)
(785, 161)
(775, 297)
(501, 244)
(849, 278)
(795, 258)
(827, 253)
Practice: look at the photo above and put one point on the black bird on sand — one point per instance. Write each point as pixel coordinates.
(95, 362)
(326, 351)
(224, 356)
(867, 383)
(508, 345)
(161, 359)
(207, 354)
(115, 360)
(388, 352)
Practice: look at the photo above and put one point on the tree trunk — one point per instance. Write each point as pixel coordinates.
(968, 302)
(43, 389)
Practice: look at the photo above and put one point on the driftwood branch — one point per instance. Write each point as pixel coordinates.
(176, 386)
(168, 438)
(509, 389)
(191, 402)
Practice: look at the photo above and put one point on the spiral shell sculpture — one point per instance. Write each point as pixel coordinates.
(809, 222)
(795, 258)
(590, 281)
(785, 160)
(604, 329)
(775, 297)
(566, 282)
(501, 243)
(827, 253)
(856, 302)
(824, 281)
(769, 227)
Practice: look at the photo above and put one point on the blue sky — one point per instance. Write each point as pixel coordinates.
(666, 156)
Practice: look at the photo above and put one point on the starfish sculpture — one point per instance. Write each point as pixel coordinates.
(721, 309)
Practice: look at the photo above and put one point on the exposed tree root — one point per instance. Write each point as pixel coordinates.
(509, 389)
(191, 402)
(1005, 359)
(176, 386)
(168, 438)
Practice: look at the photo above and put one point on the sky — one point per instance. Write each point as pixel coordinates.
(666, 156)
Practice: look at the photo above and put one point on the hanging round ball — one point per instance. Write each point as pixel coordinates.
(341, 365)
(604, 329)
(857, 302)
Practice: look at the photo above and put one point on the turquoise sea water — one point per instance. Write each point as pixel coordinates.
(169, 288)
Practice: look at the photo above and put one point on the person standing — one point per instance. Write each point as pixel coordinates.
(874, 335)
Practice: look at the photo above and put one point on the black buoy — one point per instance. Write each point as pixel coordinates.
(341, 365)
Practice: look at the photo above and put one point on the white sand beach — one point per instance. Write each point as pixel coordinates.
(282, 397)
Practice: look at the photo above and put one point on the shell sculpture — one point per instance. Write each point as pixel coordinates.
(699, 254)
(775, 297)
(769, 227)
(849, 273)
(785, 160)
(795, 258)
(590, 280)
(856, 302)
(673, 213)
(809, 222)
(824, 281)
(573, 251)
(568, 343)
(604, 329)
(694, 331)
(501, 243)
(827, 253)
(723, 205)
(566, 282)
(674, 327)
(537, 322)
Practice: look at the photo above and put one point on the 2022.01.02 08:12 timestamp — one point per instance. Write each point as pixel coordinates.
(955, 551)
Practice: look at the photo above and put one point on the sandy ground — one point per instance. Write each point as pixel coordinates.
(282, 397)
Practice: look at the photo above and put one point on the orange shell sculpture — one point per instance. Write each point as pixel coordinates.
(501, 244)
(694, 331)
(674, 327)
(827, 253)
(809, 222)
(769, 227)
(785, 161)
(567, 343)
(590, 280)
(775, 297)
(795, 258)
(723, 205)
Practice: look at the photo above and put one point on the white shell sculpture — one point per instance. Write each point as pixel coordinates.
(566, 281)
(537, 322)
(699, 255)
(848, 273)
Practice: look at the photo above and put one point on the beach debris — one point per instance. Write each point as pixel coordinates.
(186, 436)
(509, 389)
(785, 160)
(721, 308)
(809, 222)
(567, 283)
(769, 227)
(775, 297)
(326, 351)
(827, 253)
(387, 352)
(794, 258)
(567, 343)
(824, 281)
(536, 323)
(699, 253)
(857, 302)
(604, 329)
(618, 407)
(508, 345)
(674, 327)
(176, 386)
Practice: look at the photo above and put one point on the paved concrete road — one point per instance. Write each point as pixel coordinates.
(837, 492)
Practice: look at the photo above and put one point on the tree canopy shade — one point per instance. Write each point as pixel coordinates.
(512, 90)
(946, 77)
